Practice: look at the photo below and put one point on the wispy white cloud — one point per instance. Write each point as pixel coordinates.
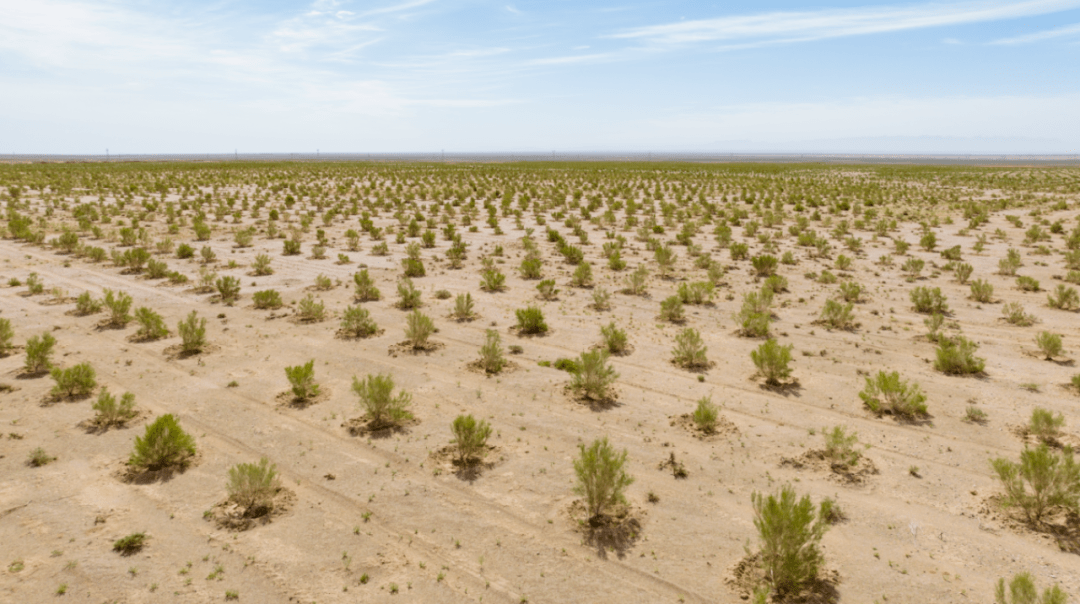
(567, 60)
(1069, 30)
(396, 8)
(786, 27)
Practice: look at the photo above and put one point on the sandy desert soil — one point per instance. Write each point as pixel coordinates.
(385, 518)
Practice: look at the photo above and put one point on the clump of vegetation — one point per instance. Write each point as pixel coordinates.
(7, 334)
(470, 438)
(671, 309)
(130, 544)
(772, 361)
(790, 533)
(1022, 591)
(601, 477)
(690, 350)
(463, 308)
(491, 353)
(356, 322)
(192, 332)
(1064, 298)
(705, 415)
(78, 380)
(302, 380)
(261, 266)
(1014, 314)
(310, 309)
(408, 295)
(930, 301)
(39, 351)
(1049, 344)
(615, 340)
(530, 320)
(119, 305)
(164, 445)
(982, 291)
(252, 486)
(840, 446)
(837, 315)
(113, 413)
(365, 287)
(887, 393)
(381, 407)
(267, 299)
(38, 457)
(754, 316)
(1042, 481)
(956, 356)
(1045, 425)
(85, 304)
(151, 324)
(594, 376)
(418, 329)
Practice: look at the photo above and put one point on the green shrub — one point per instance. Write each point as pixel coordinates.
(208, 255)
(790, 532)
(110, 412)
(928, 241)
(739, 251)
(615, 340)
(851, 291)
(418, 328)
(530, 320)
(700, 292)
(956, 356)
(356, 322)
(1042, 481)
(837, 315)
(772, 360)
(665, 258)
(601, 299)
(1009, 264)
(302, 380)
(531, 267)
(930, 301)
(887, 393)
(636, 282)
(933, 326)
(491, 280)
(1049, 344)
(408, 295)
(463, 308)
(267, 298)
(39, 351)
(228, 287)
(1014, 314)
(157, 269)
(151, 325)
(130, 544)
(470, 437)
(913, 266)
(843, 262)
(567, 365)
(840, 446)
(185, 251)
(601, 477)
(690, 349)
(252, 486)
(705, 415)
(754, 316)
(291, 247)
(963, 272)
(311, 310)
(119, 305)
(1064, 298)
(413, 267)
(365, 287)
(192, 333)
(491, 353)
(165, 444)
(78, 380)
(764, 265)
(35, 284)
(1045, 425)
(7, 334)
(774, 283)
(1027, 284)
(1022, 591)
(85, 304)
(38, 457)
(594, 376)
(671, 309)
(380, 406)
(261, 266)
(582, 276)
(547, 289)
(982, 291)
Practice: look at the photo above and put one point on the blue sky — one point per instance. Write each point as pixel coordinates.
(475, 75)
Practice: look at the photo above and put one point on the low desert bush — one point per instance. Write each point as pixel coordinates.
(699, 292)
(130, 544)
(601, 476)
(192, 332)
(356, 322)
(151, 324)
(840, 446)
(851, 291)
(1022, 590)
(532, 267)
(381, 407)
(365, 287)
(772, 361)
(7, 334)
(491, 353)
(956, 356)
(418, 329)
(110, 412)
(1064, 298)
(1043, 480)
(963, 272)
(491, 280)
(261, 266)
(790, 533)
(690, 349)
(671, 309)
(119, 305)
(228, 287)
(302, 380)
(615, 340)
(754, 316)
(38, 457)
(837, 315)
(252, 486)
(705, 415)
(1027, 284)
(594, 376)
(470, 437)
(530, 320)
(582, 276)
(39, 351)
(164, 444)
(982, 291)
(267, 299)
(1045, 424)
(636, 281)
(887, 393)
(85, 304)
(547, 289)
(929, 301)
(408, 295)
(601, 298)
(463, 308)
(1049, 344)
(77, 380)
(310, 309)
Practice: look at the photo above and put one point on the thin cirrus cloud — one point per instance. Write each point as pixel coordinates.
(786, 27)
(1061, 32)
